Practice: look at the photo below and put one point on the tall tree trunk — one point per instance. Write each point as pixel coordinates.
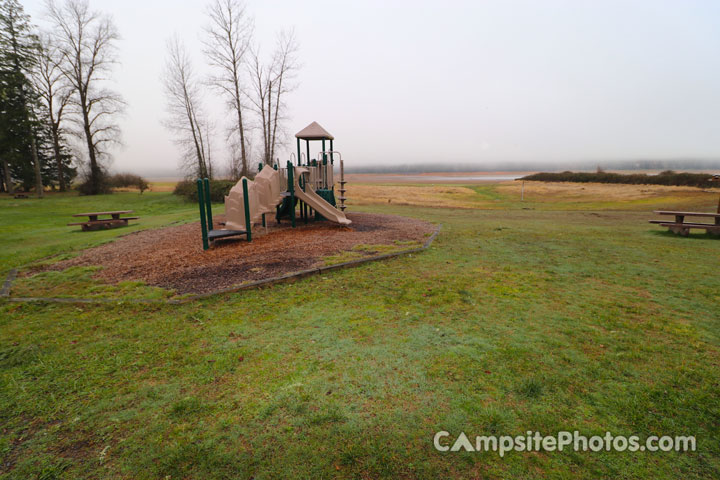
(241, 130)
(55, 129)
(264, 128)
(58, 159)
(39, 189)
(208, 153)
(268, 147)
(275, 119)
(94, 168)
(95, 174)
(8, 178)
(202, 172)
(200, 146)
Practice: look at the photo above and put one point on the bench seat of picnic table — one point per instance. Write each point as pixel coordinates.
(683, 228)
(666, 223)
(103, 220)
(114, 212)
(95, 223)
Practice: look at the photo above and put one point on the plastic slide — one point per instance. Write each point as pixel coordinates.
(317, 202)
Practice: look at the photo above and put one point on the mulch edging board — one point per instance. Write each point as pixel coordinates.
(5, 292)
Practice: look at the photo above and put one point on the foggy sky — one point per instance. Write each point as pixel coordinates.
(451, 81)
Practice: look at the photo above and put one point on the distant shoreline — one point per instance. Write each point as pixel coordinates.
(467, 177)
(440, 177)
(435, 177)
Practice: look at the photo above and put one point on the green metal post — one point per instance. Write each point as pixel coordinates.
(203, 225)
(291, 189)
(260, 167)
(246, 201)
(208, 204)
(324, 170)
(298, 149)
(307, 154)
(314, 164)
(303, 205)
(331, 149)
(300, 203)
(324, 165)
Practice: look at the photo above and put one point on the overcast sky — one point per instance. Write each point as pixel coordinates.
(476, 81)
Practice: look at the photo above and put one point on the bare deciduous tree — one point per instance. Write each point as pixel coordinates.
(185, 117)
(271, 83)
(86, 42)
(234, 165)
(55, 92)
(227, 43)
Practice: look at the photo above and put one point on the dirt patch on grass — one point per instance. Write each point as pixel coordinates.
(173, 257)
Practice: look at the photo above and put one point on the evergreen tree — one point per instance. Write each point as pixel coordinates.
(54, 162)
(18, 101)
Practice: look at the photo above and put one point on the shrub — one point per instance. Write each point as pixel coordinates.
(124, 180)
(668, 177)
(85, 187)
(218, 189)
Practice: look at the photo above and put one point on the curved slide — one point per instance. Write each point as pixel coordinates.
(318, 203)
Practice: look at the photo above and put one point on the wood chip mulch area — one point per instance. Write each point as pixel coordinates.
(173, 257)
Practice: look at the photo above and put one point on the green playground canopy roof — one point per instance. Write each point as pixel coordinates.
(314, 132)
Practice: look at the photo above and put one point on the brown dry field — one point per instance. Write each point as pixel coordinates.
(437, 196)
(592, 192)
(550, 195)
(398, 189)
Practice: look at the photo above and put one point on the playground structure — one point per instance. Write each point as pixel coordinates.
(296, 190)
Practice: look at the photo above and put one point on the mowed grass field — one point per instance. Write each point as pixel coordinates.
(564, 312)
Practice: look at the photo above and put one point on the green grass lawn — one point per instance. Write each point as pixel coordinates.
(35, 228)
(513, 320)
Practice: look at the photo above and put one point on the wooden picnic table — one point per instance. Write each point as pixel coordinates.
(93, 215)
(681, 227)
(95, 223)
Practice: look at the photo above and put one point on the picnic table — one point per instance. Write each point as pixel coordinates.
(95, 223)
(681, 227)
